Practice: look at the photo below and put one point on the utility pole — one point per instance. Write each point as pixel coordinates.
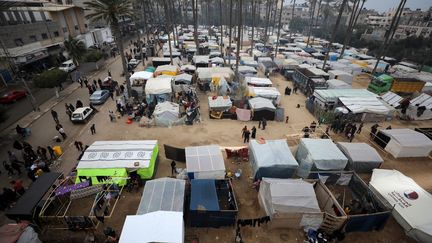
(32, 99)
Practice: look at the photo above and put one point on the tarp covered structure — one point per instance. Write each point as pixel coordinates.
(212, 203)
(219, 103)
(163, 194)
(139, 77)
(166, 114)
(205, 162)
(262, 108)
(362, 157)
(167, 70)
(392, 99)
(159, 226)
(259, 82)
(318, 154)
(403, 143)
(283, 198)
(411, 204)
(273, 159)
(420, 108)
(159, 88)
(338, 84)
(26, 204)
(271, 93)
(332, 95)
(183, 78)
(110, 161)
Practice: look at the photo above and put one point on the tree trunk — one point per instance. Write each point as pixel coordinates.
(221, 30)
(168, 15)
(279, 27)
(334, 31)
(253, 27)
(292, 17)
(267, 20)
(119, 41)
(312, 14)
(318, 13)
(195, 22)
(350, 26)
(238, 38)
(230, 31)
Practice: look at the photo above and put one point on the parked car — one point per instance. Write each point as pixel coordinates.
(67, 66)
(12, 96)
(99, 97)
(82, 114)
(133, 62)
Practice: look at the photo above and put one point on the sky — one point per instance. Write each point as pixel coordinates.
(385, 5)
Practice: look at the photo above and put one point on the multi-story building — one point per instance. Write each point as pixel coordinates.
(32, 31)
(300, 11)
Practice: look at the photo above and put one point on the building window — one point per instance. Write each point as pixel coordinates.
(65, 30)
(56, 34)
(19, 42)
(33, 38)
(76, 27)
(44, 36)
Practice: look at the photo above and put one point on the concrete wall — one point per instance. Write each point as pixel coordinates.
(23, 31)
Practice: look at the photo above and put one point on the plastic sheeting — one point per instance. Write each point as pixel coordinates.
(365, 105)
(320, 154)
(338, 84)
(157, 86)
(166, 194)
(205, 162)
(260, 103)
(167, 114)
(255, 81)
(271, 93)
(362, 158)
(405, 143)
(392, 99)
(243, 114)
(272, 159)
(421, 102)
(411, 204)
(219, 103)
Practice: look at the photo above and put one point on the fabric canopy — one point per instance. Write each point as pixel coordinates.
(219, 103)
(365, 105)
(272, 159)
(411, 204)
(259, 103)
(166, 113)
(166, 194)
(201, 59)
(160, 226)
(362, 157)
(156, 86)
(332, 95)
(247, 70)
(118, 154)
(205, 162)
(321, 154)
(424, 102)
(338, 84)
(23, 209)
(258, 81)
(407, 143)
(188, 67)
(271, 93)
(144, 75)
(184, 77)
(391, 99)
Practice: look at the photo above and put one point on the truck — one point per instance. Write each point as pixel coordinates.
(309, 79)
(397, 84)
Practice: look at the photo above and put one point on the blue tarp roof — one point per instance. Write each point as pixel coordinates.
(204, 196)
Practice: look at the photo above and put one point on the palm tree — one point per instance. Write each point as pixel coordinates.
(312, 14)
(110, 11)
(292, 16)
(75, 48)
(279, 27)
(238, 34)
(351, 24)
(195, 22)
(253, 26)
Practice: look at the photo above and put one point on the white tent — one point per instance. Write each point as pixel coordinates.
(160, 226)
(365, 105)
(183, 78)
(259, 103)
(284, 198)
(247, 70)
(338, 84)
(201, 59)
(341, 75)
(391, 99)
(255, 81)
(166, 113)
(205, 162)
(420, 108)
(271, 93)
(273, 158)
(406, 143)
(156, 86)
(138, 76)
(219, 103)
(411, 204)
(188, 67)
(362, 157)
(319, 154)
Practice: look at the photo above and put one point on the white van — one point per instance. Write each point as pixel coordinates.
(67, 66)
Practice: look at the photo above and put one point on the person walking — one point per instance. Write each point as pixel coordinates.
(8, 168)
(76, 143)
(253, 134)
(243, 131)
(246, 136)
(93, 129)
(286, 119)
(62, 133)
(112, 95)
(55, 116)
(313, 126)
(259, 123)
(360, 128)
(173, 168)
(51, 152)
(264, 123)
(79, 104)
(373, 131)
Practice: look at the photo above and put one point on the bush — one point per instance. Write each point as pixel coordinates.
(50, 78)
(92, 56)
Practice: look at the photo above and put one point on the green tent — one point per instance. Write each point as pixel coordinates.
(106, 162)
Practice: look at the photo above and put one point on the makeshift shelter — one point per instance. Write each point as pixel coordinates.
(190, 69)
(167, 114)
(404, 143)
(159, 226)
(158, 89)
(411, 205)
(365, 212)
(247, 71)
(217, 60)
(318, 154)
(110, 161)
(183, 78)
(362, 157)
(212, 203)
(267, 66)
(220, 107)
(341, 75)
(159, 61)
(271, 93)
(391, 99)
(138, 80)
(295, 203)
(337, 84)
(163, 194)
(201, 61)
(28, 203)
(271, 158)
(258, 82)
(170, 70)
(262, 108)
(420, 108)
(205, 162)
